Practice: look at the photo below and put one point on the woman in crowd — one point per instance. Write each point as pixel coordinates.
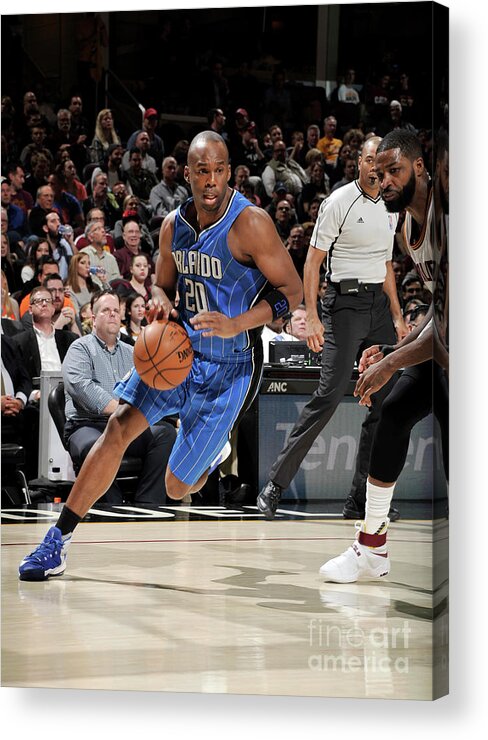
(105, 135)
(139, 270)
(36, 248)
(80, 282)
(318, 187)
(10, 265)
(135, 316)
(10, 307)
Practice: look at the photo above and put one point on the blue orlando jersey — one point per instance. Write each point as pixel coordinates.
(210, 279)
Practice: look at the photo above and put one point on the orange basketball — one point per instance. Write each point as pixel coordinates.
(163, 355)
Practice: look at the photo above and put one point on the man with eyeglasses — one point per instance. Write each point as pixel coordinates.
(41, 347)
(93, 365)
(64, 316)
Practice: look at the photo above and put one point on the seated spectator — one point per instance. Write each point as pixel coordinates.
(112, 165)
(20, 197)
(68, 207)
(99, 255)
(149, 126)
(283, 219)
(297, 247)
(140, 282)
(79, 124)
(64, 138)
(86, 318)
(80, 281)
(336, 174)
(134, 316)
(17, 222)
(120, 191)
(415, 316)
(140, 179)
(43, 206)
(134, 210)
(10, 264)
(60, 241)
(396, 120)
(147, 162)
(280, 192)
(37, 146)
(412, 287)
(89, 369)
(70, 183)
(296, 323)
(287, 171)
(350, 174)
(42, 347)
(44, 266)
(10, 307)
(64, 316)
(247, 151)
(168, 194)
(180, 153)
(105, 135)
(274, 332)
(355, 139)
(329, 145)
(131, 235)
(318, 187)
(36, 248)
(247, 190)
(347, 93)
(241, 174)
(102, 199)
(312, 139)
(98, 216)
(16, 389)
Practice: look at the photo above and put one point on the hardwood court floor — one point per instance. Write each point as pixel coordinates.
(222, 606)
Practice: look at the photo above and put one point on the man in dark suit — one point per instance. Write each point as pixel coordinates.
(16, 389)
(42, 347)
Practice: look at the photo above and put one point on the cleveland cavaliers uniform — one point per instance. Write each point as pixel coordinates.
(411, 398)
(226, 373)
(421, 249)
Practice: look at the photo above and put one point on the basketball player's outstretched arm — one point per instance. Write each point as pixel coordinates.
(254, 241)
(161, 305)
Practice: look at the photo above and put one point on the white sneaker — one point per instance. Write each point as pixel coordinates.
(357, 563)
(223, 455)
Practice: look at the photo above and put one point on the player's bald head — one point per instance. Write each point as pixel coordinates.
(205, 141)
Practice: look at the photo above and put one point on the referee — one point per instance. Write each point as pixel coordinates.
(360, 308)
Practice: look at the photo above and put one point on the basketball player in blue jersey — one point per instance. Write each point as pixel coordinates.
(404, 184)
(222, 257)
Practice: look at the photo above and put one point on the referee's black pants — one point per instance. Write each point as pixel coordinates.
(409, 401)
(352, 323)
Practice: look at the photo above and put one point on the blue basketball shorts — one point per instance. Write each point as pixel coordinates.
(208, 403)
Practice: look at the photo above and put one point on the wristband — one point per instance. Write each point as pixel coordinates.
(387, 349)
(278, 302)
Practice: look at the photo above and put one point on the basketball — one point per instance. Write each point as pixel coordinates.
(163, 355)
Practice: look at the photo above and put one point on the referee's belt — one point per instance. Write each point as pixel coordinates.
(354, 287)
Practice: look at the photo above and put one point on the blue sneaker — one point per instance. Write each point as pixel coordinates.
(48, 559)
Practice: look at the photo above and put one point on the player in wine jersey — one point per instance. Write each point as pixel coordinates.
(404, 184)
(222, 257)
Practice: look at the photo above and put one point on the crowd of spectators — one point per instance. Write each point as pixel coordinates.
(82, 208)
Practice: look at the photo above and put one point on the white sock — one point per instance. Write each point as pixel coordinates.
(378, 500)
